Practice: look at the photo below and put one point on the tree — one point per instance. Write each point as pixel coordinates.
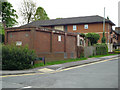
(59, 18)
(27, 10)
(103, 40)
(8, 14)
(2, 33)
(82, 35)
(40, 14)
(93, 38)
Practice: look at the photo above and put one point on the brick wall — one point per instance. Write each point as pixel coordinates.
(23, 36)
(58, 46)
(92, 28)
(118, 28)
(71, 44)
(45, 42)
(96, 28)
(42, 42)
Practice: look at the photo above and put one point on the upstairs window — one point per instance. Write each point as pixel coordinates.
(74, 27)
(86, 26)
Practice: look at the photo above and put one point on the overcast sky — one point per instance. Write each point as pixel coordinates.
(75, 8)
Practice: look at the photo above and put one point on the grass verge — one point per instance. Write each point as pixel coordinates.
(58, 62)
(97, 56)
(68, 60)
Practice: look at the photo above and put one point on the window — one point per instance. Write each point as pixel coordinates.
(86, 26)
(59, 38)
(74, 27)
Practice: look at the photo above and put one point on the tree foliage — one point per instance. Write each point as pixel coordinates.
(28, 10)
(2, 33)
(40, 14)
(103, 40)
(93, 38)
(82, 35)
(59, 18)
(8, 14)
(1, 29)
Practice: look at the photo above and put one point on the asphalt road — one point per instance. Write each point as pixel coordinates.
(99, 75)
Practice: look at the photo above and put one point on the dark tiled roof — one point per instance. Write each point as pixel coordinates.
(68, 21)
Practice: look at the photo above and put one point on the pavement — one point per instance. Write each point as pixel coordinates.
(56, 67)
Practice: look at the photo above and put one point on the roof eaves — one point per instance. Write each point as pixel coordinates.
(76, 23)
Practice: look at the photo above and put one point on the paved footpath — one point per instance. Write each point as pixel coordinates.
(57, 66)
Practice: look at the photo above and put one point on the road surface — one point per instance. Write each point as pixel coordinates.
(98, 75)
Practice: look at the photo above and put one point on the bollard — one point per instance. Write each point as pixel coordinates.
(43, 60)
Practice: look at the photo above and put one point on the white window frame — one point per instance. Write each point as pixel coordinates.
(74, 27)
(86, 26)
(59, 38)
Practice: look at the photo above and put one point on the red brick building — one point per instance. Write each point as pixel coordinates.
(78, 24)
(116, 37)
(49, 43)
(57, 39)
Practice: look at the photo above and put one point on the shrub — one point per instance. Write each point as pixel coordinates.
(103, 40)
(80, 51)
(17, 58)
(101, 49)
(93, 38)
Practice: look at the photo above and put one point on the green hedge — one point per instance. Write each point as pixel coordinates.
(101, 49)
(17, 58)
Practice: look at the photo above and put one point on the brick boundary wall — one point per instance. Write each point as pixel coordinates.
(45, 42)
